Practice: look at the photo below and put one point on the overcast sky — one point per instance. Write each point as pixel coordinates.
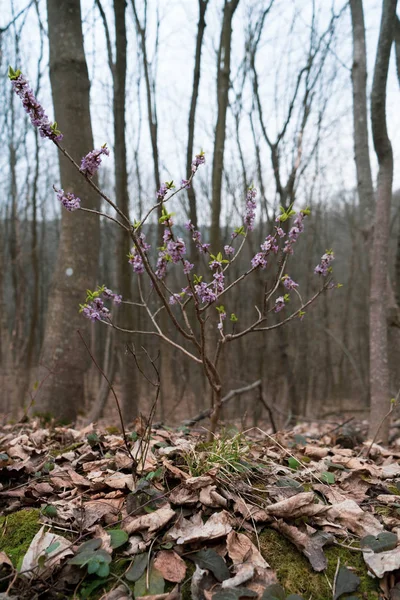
(282, 52)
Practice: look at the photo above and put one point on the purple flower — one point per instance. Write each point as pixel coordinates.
(259, 260)
(136, 261)
(174, 299)
(162, 192)
(91, 162)
(109, 295)
(68, 200)
(250, 213)
(204, 292)
(279, 304)
(219, 279)
(96, 310)
(324, 266)
(187, 267)
(215, 264)
(289, 283)
(33, 107)
(280, 232)
(229, 250)
(176, 249)
(161, 267)
(198, 160)
(185, 183)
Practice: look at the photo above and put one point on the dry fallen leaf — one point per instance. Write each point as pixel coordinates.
(383, 562)
(241, 550)
(171, 566)
(192, 530)
(150, 522)
(46, 551)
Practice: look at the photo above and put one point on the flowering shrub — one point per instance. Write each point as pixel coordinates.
(202, 294)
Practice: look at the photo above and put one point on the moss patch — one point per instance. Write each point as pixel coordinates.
(296, 575)
(59, 451)
(17, 530)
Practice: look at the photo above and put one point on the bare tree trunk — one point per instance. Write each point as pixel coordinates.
(62, 352)
(223, 83)
(192, 115)
(360, 117)
(379, 369)
(125, 316)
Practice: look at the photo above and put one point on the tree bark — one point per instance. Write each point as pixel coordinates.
(192, 116)
(125, 313)
(365, 186)
(379, 369)
(223, 83)
(61, 395)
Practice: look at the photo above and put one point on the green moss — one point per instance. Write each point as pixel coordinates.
(112, 430)
(70, 448)
(296, 575)
(393, 490)
(17, 530)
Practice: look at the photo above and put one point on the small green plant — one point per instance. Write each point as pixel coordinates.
(91, 556)
(225, 451)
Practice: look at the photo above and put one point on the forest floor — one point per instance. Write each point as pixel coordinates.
(163, 514)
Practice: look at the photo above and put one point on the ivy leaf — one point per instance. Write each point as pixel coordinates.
(118, 538)
(274, 592)
(346, 582)
(381, 543)
(52, 547)
(90, 545)
(210, 560)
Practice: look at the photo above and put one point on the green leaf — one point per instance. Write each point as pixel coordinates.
(293, 463)
(234, 593)
(103, 570)
(233, 318)
(346, 582)
(118, 538)
(210, 560)
(49, 511)
(300, 440)
(156, 584)
(52, 547)
(328, 477)
(90, 545)
(289, 482)
(381, 543)
(93, 565)
(274, 592)
(137, 569)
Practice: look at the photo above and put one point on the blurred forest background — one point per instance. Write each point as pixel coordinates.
(276, 92)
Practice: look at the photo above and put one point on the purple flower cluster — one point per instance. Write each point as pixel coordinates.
(279, 304)
(229, 250)
(187, 267)
(134, 257)
(295, 231)
(68, 200)
(185, 183)
(95, 310)
(196, 237)
(174, 299)
(222, 317)
(261, 258)
(109, 295)
(250, 213)
(162, 192)
(324, 266)
(91, 162)
(289, 283)
(198, 160)
(204, 292)
(172, 251)
(34, 109)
